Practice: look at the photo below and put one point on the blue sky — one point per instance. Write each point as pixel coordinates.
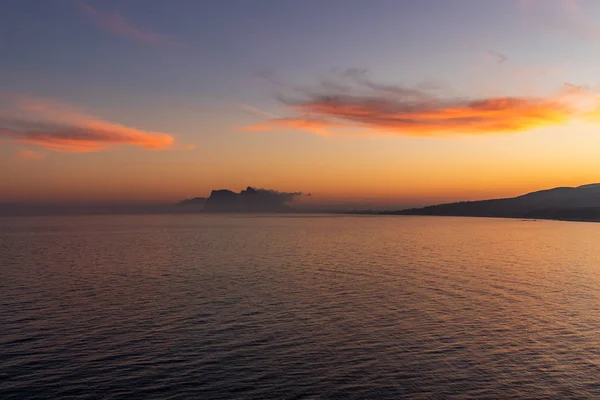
(201, 71)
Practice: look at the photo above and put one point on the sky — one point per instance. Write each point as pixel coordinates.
(381, 102)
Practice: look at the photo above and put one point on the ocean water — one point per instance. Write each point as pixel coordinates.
(298, 307)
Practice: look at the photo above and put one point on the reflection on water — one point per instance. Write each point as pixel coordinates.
(298, 307)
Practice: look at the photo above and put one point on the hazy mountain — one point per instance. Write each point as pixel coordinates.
(195, 202)
(577, 203)
(248, 200)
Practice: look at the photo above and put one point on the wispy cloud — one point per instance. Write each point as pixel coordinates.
(55, 126)
(28, 155)
(255, 110)
(563, 15)
(500, 58)
(370, 108)
(318, 126)
(564, 5)
(116, 24)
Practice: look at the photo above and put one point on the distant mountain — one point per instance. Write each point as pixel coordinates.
(196, 201)
(572, 203)
(248, 200)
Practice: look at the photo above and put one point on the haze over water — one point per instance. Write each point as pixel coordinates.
(298, 306)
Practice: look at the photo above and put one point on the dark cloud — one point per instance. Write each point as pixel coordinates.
(250, 200)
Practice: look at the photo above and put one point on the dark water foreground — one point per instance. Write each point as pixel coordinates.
(298, 307)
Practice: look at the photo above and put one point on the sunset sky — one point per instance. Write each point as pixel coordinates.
(384, 102)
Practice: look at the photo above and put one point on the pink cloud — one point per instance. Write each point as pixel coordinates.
(59, 127)
(317, 126)
(116, 24)
(28, 155)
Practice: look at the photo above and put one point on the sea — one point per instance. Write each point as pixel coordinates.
(298, 307)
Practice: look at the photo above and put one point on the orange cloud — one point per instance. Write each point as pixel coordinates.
(58, 127)
(28, 155)
(374, 108)
(502, 114)
(117, 25)
(313, 125)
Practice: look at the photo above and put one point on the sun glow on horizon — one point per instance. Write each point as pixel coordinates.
(340, 111)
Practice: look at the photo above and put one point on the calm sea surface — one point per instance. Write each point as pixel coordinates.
(298, 307)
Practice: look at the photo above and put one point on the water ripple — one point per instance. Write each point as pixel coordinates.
(219, 307)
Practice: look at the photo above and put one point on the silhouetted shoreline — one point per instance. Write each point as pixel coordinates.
(580, 203)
